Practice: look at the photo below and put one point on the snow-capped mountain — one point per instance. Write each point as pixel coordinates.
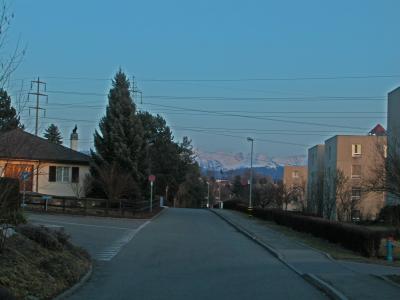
(237, 163)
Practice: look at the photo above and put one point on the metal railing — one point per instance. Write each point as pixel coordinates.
(87, 206)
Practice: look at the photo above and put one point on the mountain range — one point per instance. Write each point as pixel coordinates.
(224, 165)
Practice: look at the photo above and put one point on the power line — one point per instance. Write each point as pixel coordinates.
(257, 117)
(295, 78)
(276, 78)
(226, 98)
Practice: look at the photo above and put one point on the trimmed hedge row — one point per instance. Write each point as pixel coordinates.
(360, 239)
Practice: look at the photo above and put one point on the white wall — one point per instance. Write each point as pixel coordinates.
(53, 188)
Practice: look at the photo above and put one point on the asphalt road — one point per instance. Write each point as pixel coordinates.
(183, 254)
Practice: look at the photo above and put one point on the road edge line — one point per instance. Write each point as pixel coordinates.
(77, 285)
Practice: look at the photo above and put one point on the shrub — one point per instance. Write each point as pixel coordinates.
(5, 294)
(9, 200)
(354, 237)
(390, 215)
(42, 235)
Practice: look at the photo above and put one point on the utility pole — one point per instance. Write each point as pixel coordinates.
(38, 94)
(135, 90)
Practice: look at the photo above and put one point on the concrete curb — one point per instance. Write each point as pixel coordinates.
(159, 213)
(324, 286)
(388, 280)
(77, 285)
(310, 278)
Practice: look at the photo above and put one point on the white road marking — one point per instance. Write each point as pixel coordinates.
(110, 252)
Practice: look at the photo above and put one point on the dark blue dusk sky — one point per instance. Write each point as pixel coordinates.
(196, 63)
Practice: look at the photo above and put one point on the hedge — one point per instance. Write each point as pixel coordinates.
(365, 241)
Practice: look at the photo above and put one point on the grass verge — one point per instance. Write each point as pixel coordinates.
(38, 263)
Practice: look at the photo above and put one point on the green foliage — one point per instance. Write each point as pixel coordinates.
(353, 237)
(9, 201)
(193, 190)
(8, 115)
(237, 186)
(139, 144)
(52, 134)
(390, 215)
(120, 138)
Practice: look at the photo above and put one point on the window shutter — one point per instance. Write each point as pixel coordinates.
(75, 174)
(52, 174)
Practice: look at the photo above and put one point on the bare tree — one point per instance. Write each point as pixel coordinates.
(115, 182)
(384, 175)
(338, 199)
(81, 189)
(8, 63)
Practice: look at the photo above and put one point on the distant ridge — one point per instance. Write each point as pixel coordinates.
(232, 164)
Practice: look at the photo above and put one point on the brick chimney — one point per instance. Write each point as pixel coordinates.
(74, 139)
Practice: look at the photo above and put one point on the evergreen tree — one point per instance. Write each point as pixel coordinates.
(160, 154)
(8, 115)
(53, 134)
(120, 138)
(237, 186)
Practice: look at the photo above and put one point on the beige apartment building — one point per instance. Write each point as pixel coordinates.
(295, 179)
(348, 162)
(393, 131)
(315, 180)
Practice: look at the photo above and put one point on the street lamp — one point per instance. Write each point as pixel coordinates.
(249, 139)
(208, 194)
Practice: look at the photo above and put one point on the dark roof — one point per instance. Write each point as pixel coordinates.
(18, 144)
(378, 130)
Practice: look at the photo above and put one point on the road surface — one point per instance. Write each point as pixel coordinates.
(182, 254)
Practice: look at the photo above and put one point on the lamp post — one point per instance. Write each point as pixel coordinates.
(250, 208)
(208, 194)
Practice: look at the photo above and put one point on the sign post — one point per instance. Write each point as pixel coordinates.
(24, 177)
(152, 178)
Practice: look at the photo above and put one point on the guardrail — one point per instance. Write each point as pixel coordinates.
(87, 206)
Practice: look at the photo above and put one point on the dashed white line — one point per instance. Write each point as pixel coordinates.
(110, 252)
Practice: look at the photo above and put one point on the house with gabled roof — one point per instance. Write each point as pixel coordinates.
(41, 166)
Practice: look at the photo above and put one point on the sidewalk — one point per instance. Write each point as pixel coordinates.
(354, 280)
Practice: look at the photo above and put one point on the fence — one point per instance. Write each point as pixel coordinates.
(89, 206)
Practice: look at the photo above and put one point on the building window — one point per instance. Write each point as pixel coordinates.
(356, 150)
(75, 174)
(329, 152)
(355, 194)
(355, 171)
(295, 174)
(384, 151)
(59, 174)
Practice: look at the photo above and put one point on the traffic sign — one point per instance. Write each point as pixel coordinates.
(152, 178)
(25, 175)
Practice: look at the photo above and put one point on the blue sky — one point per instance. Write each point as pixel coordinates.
(76, 45)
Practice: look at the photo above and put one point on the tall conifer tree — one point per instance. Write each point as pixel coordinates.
(120, 136)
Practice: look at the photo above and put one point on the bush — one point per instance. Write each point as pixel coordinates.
(390, 215)
(9, 200)
(43, 236)
(354, 237)
(5, 294)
